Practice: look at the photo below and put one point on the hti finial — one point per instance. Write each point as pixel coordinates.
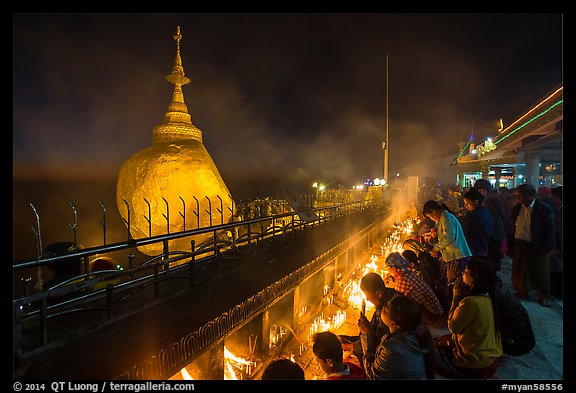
(177, 74)
(177, 37)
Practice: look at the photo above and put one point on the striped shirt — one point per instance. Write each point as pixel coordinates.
(409, 284)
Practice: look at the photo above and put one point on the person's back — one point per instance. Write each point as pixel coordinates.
(477, 227)
(477, 223)
(399, 356)
(474, 346)
(509, 204)
(495, 206)
(476, 343)
(516, 330)
(430, 270)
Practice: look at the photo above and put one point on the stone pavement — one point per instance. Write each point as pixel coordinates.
(546, 360)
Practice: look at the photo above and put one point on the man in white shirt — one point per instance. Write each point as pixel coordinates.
(530, 239)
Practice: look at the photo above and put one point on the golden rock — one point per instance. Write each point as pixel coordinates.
(173, 184)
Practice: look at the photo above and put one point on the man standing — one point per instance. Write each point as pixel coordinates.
(530, 238)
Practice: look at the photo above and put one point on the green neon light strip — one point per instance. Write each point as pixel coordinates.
(529, 121)
(462, 151)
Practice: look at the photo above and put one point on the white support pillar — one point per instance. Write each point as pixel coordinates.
(497, 175)
(532, 169)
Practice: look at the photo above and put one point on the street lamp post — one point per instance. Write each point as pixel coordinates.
(385, 143)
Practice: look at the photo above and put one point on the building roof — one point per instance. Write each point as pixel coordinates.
(536, 129)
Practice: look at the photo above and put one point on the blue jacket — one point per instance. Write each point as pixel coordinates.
(451, 239)
(477, 226)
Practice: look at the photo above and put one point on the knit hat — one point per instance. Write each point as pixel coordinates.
(483, 184)
(395, 259)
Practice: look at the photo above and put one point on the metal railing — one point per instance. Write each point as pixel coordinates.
(177, 355)
(102, 293)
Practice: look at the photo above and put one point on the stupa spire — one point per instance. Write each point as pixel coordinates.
(177, 124)
(177, 76)
(174, 172)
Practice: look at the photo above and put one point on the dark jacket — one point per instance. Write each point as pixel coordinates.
(477, 226)
(516, 331)
(498, 212)
(398, 356)
(542, 227)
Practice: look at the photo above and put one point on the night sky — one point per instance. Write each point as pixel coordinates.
(288, 98)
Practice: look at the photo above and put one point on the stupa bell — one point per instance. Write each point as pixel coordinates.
(172, 185)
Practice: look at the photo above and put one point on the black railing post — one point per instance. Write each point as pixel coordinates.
(191, 262)
(249, 234)
(110, 300)
(130, 265)
(149, 218)
(197, 212)
(210, 209)
(17, 332)
(221, 210)
(217, 252)
(167, 216)
(103, 221)
(165, 255)
(37, 233)
(86, 267)
(127, 221)
(183, 214)
(44, 321)
(156, 282)
(74, 226)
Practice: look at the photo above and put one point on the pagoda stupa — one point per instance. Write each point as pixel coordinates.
(172, 185)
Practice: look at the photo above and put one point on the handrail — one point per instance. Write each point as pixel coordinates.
(132, 243)
(135, 278)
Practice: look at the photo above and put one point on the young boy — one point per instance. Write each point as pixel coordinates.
(329, 354)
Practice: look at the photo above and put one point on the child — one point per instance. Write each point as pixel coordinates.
(329, 354)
